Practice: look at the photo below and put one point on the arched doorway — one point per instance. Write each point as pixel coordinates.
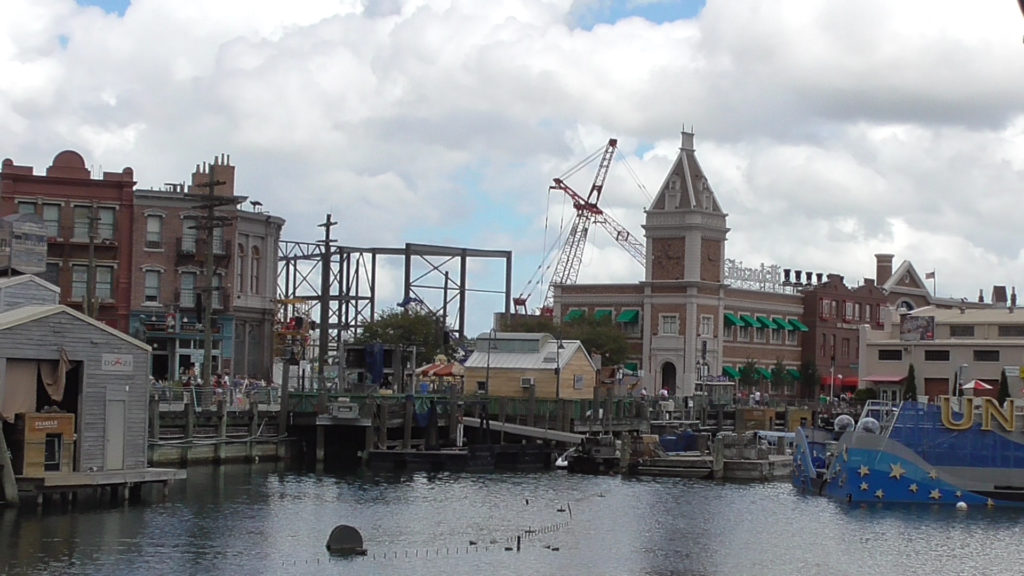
(668, 377)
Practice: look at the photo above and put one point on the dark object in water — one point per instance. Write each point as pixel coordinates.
(345, 541)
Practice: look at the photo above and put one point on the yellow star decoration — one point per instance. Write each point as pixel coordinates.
(991, 503)
(959, 494)
(913, 488)
(897, 471)
(863, 471)
(864, 486)
(935, 495)
(879, 494)
(933, 474)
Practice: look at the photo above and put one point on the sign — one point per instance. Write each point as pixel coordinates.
(116, 363)
(44, 424)
(28, 247)
(766, 277)
(917, 328)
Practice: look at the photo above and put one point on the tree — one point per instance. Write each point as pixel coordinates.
(779, 378)
(808, 380)
(1004, 389)
(748, 374)
(598, 335)
(402, 328)
(910, 384)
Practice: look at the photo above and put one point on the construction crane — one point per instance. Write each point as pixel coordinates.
(587, 212)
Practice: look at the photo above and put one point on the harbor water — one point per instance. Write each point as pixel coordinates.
(267, 519)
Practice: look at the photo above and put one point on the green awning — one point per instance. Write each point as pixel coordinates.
(782, 324)
(628, 316)
(631, 366)
(574, 314)
(766, 323)
(731, 372)
(732, 320)
(798, 325)
(749, 321)
(602, 314)
(793, 373)
(763, 373)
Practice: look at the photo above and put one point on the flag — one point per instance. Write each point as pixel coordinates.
(929, 275)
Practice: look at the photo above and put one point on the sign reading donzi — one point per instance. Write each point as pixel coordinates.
(116, 363)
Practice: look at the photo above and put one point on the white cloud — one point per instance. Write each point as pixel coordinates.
(830, 131)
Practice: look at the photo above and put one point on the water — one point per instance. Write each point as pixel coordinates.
(263, 519)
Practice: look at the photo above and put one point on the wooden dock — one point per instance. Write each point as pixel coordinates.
(126, 482)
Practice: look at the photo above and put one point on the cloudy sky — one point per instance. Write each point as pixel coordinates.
(830, 131)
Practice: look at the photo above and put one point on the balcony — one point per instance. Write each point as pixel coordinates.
(194, 251)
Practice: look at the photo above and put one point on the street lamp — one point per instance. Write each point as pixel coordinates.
(487, 376)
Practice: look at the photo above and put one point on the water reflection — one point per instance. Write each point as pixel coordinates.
(266, 519)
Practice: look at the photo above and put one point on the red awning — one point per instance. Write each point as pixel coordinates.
(977, 385)
(845, 382)
(437, 370)
(884, 379)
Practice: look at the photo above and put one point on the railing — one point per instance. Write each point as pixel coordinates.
(207, 397)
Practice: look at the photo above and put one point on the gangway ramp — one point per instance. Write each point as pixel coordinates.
(530, 431)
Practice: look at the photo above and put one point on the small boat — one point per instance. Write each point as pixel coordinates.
(562, 463)
(595, 455)
(961, 451)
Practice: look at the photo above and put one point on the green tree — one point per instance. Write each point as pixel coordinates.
(748, 375)
(910, 384)
(1004, 388)
(598, 335)
(808, 380)
(399, 327)
(779, 378)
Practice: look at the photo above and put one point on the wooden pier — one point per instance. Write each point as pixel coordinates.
(123, 484)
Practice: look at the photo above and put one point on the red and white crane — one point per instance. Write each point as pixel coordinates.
(587, 212)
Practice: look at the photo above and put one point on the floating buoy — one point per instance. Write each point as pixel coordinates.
(345, 541)
(961, 505)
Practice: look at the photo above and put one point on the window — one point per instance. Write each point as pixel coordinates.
(961, 331)
(936, 355)
(791, 336)
(744, 334)
(26, 207)
(986, 355)
(481, 387)
(51, 219)
(759, 335)
(105, 224)
(154, 232)
(216, 295)
(254, 270)
(1013, 331)
(152, 286)
(218, 240)
(845, 348)
(81, 219)
(669, 325)
(188, 234)
(104, 284)
(848, 312)
(240, 268)
(777, 336)
(188, 290)
(867, 313)
(895, 355)
(707, 325)
(728, 333)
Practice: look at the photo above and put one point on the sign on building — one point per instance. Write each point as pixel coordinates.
(116, 363)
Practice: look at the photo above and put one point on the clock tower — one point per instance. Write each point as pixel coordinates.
(684, 290)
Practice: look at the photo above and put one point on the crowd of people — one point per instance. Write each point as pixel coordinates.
(238, 389)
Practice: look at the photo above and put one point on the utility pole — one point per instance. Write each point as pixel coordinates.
(210, 221)
(89, 306)
(325, 302)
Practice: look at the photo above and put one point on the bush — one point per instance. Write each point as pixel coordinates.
(865, 394)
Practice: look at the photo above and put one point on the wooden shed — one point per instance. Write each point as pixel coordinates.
(26, 290)
(57, 361)
(511, 364)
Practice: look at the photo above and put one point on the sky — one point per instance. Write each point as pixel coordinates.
(829, 131)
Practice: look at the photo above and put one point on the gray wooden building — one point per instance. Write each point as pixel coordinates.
(26, 290)
(55, 359)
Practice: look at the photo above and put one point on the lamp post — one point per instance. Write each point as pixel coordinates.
(558, 369)
(487, 375)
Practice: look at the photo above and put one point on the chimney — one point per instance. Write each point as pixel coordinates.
(785, 277)
(797, 275)
(819, 275)
(1013, 297)
(869, 281)
(999, 295)
(687, 143)
(981, 295)
(883, 268)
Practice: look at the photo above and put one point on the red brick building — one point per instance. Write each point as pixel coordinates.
(69, 199)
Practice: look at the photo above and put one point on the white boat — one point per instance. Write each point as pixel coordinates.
(563, 461)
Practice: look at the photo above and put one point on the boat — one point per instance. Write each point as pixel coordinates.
(959, 451)
(562, 463)
(595, 455)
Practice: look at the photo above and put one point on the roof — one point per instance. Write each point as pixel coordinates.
(15, 280)
(25, 314)
(544, 359)
(1000, 315)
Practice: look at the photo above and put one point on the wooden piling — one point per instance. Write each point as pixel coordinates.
(222, 430)
(407, 429)
(154, 418)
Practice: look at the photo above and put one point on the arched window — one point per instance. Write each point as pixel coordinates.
(240, 268)
(254, 270)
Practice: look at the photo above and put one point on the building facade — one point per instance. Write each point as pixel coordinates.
(170, 253)
(89, 223)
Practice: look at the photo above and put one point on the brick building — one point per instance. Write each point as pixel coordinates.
(72, 203)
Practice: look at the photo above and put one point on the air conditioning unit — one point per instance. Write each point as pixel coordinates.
(526, 382)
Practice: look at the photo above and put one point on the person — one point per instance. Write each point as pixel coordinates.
(664, 393)
(757, 398)
(643, 393)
